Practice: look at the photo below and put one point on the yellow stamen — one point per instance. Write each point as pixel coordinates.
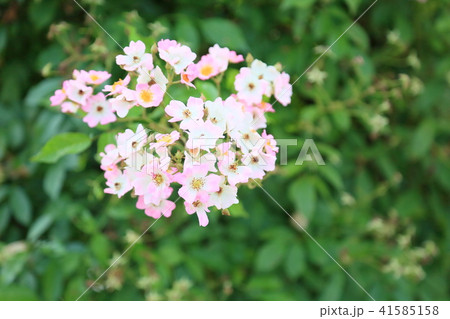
(146, 96)
(206, 70)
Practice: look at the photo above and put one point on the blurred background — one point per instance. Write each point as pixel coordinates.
(376, 105)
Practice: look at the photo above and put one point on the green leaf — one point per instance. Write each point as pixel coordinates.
(238, 210)
(333, 290)
(40, 226)
(341, 119)
(295, 262)
(303, 194)
(20, 205)
(62, 144)
(53, 180)
(17, 293)
(270, 256)
(224, 32)
(105, 139)
(41, 13)
(187, 33)
(5, 216)
(100, 247)
(208, 89)
(422, 139)
(52, 281)
(42, 91)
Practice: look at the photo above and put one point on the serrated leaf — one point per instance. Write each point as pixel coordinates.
(62, 144)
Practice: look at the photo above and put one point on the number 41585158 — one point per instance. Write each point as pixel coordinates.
(409, 310)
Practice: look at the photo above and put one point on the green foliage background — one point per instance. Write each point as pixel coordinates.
(380, 206)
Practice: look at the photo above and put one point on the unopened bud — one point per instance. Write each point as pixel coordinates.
(278, 66)
(226, 212)
(154, 49)
(249, 58)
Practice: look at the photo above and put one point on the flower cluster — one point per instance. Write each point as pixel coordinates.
(209, 147)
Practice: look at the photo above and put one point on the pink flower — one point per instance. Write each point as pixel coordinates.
(77, 91)
(165, 44)
(189, 75)
(164, 208)
(220, 56)
(283, 90)
(200, 207)
(156, 76)
(203, 134)
(118, 184)
(99, 111)
(225, 196)
(217, 113)
(129, 142)
(69, 107)
(264, 72)
(177, 55)
(195, 181)
(110, 156)
(122, 103)
(149, 96)
(186, 114)
(163, 140)
(109, 161)
(249, 87)
(58, 98)
(230, 168)
(259, 162)
(118, 86)
(234, 58)
(135, 57)
(270, 145)
(207, 67)
(152, 183)
(194, 158)
(93, 77)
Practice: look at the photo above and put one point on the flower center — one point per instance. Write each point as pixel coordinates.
(233, 167)
(158, 179)
(99, 108)
(254, 159)
(115, 84)
(197, 183)
(166, 139)
(94, 77)
(186, 113)
(197, 203)
(206, 70)
(146, 96)
(251, 86)
(117, 186)
(185, 78)
(135, 59)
